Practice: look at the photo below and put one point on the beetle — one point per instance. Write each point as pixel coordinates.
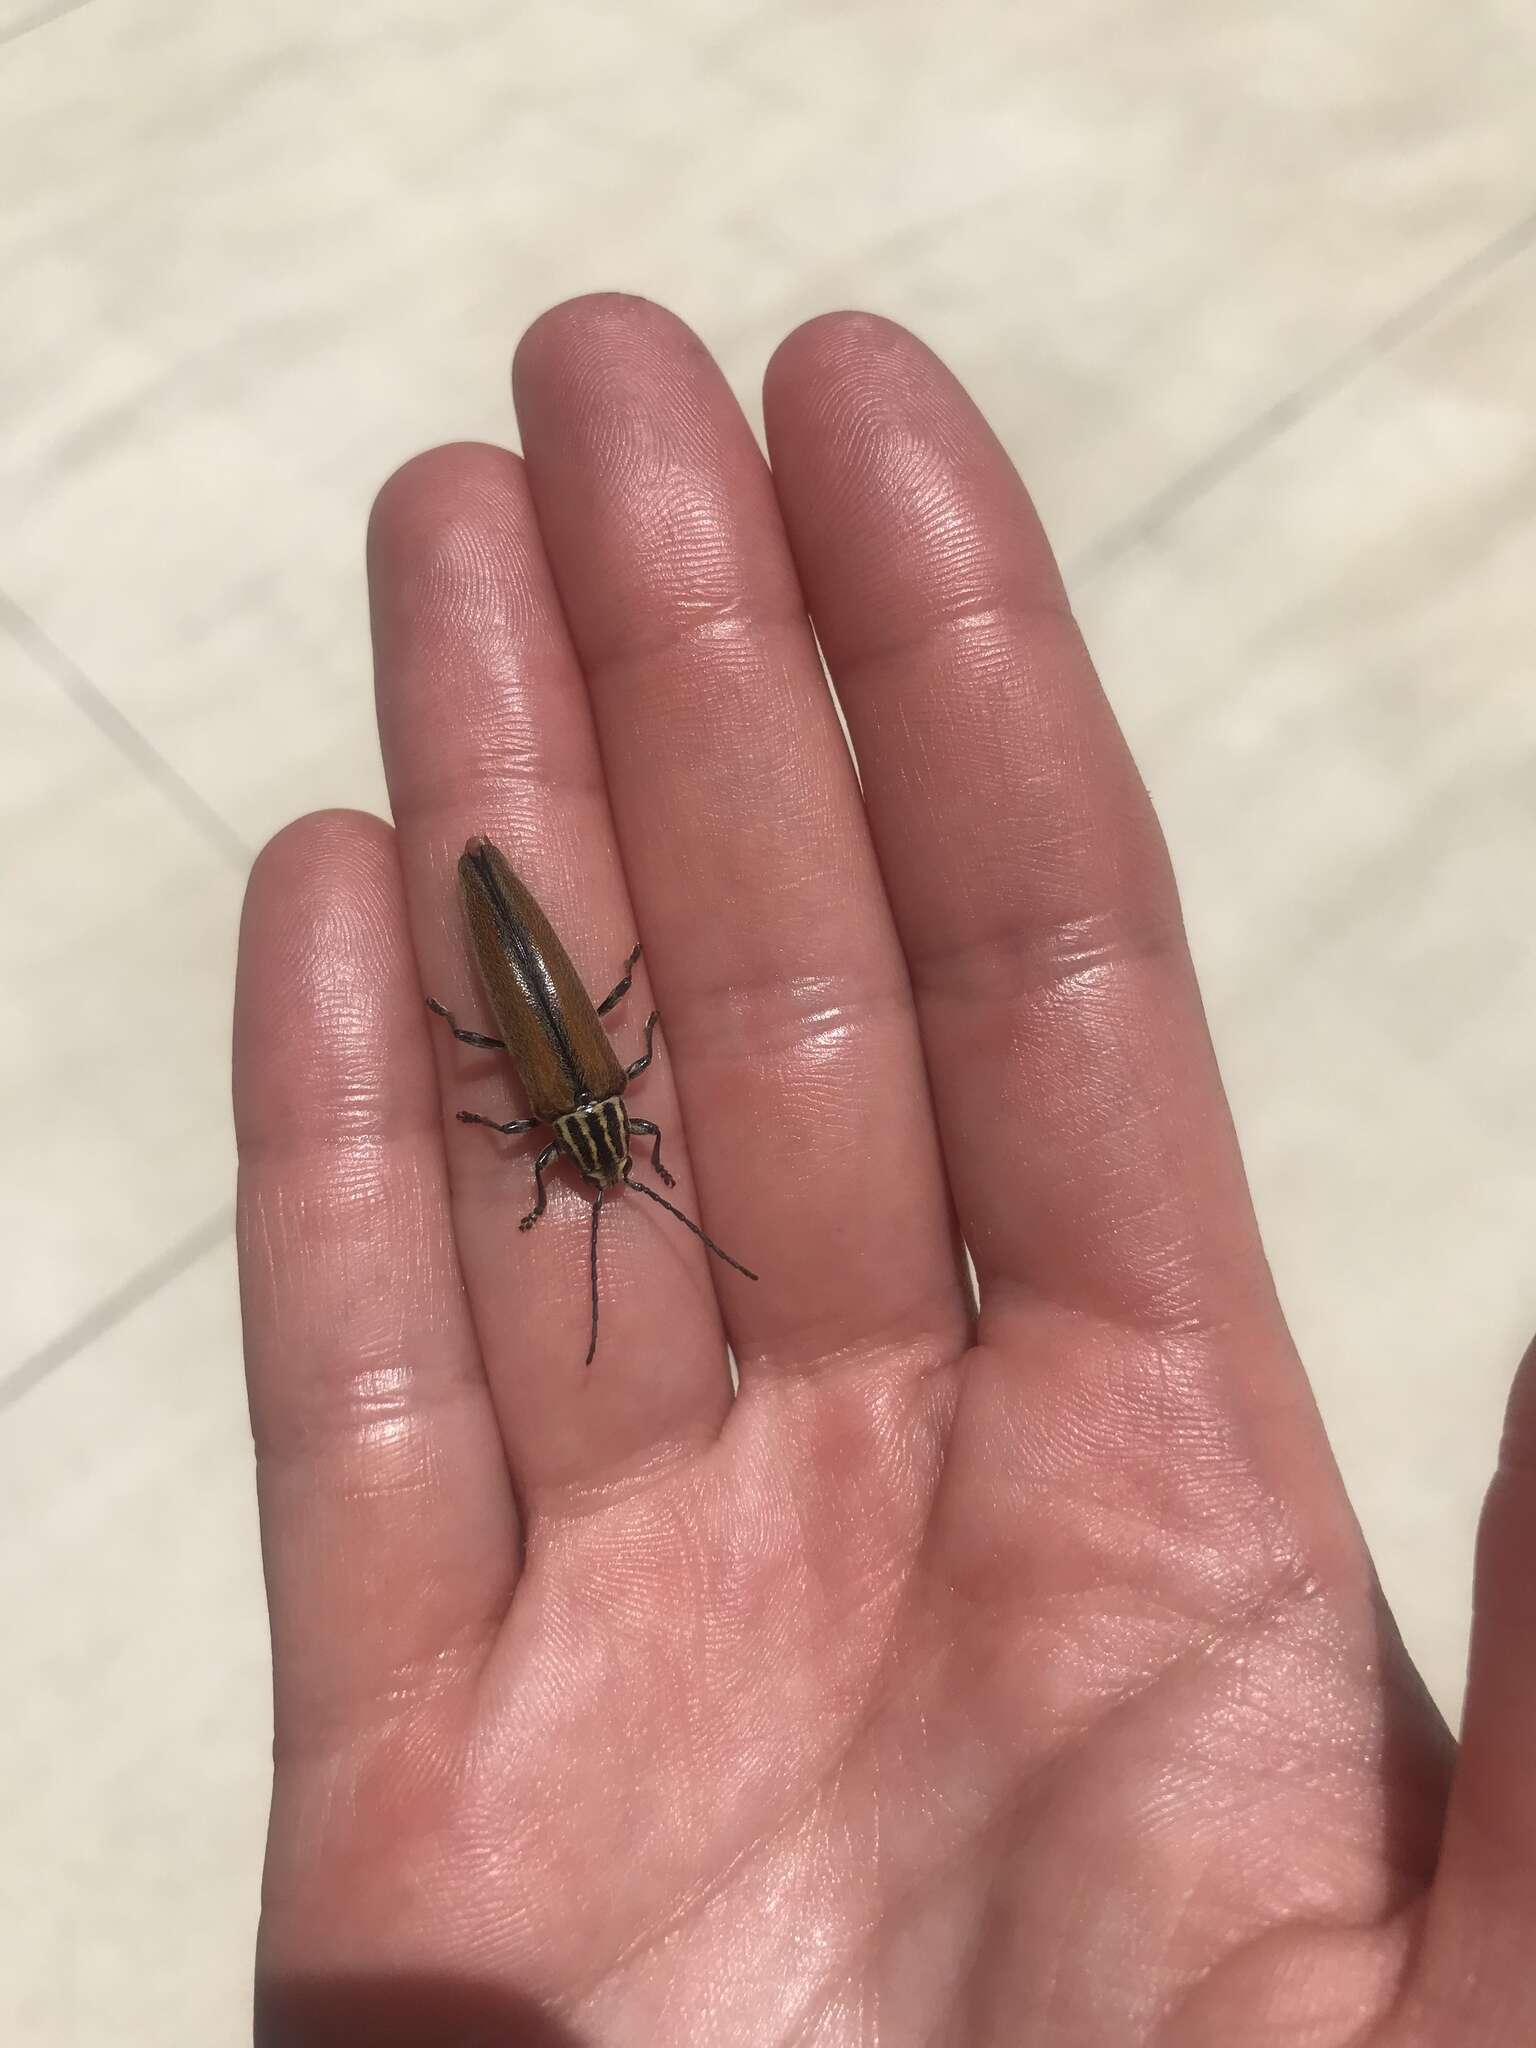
(555, 1038)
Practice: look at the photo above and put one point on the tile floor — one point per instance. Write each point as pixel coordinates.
(1250, 294)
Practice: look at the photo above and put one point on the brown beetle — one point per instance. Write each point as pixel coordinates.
(555, 1038)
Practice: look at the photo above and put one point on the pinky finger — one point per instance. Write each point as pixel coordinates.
(388, 1525)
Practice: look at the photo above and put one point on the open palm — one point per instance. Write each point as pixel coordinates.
(1012, 1677)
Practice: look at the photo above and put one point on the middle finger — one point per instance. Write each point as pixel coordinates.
(774, 955)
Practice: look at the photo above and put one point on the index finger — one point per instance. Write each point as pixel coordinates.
(776, 964)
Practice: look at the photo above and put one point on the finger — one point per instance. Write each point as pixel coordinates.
(486, 729)
(1083, 1120)
(387, 1517)
(1474, 1981)
(771, 946)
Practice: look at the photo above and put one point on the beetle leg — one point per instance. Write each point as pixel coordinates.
(465, 1037)
(639, 1066)
(544, 1159)
(618, 993)
(647, 1129)
(512, 1130)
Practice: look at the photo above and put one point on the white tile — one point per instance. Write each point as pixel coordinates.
(136, 1726)
(1325, 666)
(26, 17)
(1132, 229)
(117, 926)
(265, 253)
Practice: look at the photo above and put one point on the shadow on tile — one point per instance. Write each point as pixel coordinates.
(403, 2012)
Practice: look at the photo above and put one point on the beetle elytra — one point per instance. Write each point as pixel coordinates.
(554, 1036)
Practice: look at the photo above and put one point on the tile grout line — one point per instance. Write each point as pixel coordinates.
(97, 1321)
(122, 732)
(1213, 469)
(40, 19)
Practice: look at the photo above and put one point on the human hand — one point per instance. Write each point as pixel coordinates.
(1012, 1679)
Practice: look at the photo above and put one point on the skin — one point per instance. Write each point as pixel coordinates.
(1012, 1678)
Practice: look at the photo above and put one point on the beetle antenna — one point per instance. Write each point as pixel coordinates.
(597, 1210)
(688, 1224)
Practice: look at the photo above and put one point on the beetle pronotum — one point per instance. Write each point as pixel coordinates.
(554, 1037)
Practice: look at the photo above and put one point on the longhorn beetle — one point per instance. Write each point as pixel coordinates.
(555, 1039)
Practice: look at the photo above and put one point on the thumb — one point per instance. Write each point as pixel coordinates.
(1477, 1977)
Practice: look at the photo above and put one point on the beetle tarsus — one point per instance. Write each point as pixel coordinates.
(620, 988)
(545, 1158)
(646, 1129)
(639, 1066)
(477, 1038)
(514, 1129)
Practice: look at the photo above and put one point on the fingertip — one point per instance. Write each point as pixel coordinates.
(653, 498)
(320, 837)
(326, 989)
(420, 499)
(463, 615)
(449, 526)
(897, 493)
(1518, 1446)
(319, 863)
(841, 346)
(614, 328)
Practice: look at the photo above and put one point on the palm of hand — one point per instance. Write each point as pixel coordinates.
(1031, 1689)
